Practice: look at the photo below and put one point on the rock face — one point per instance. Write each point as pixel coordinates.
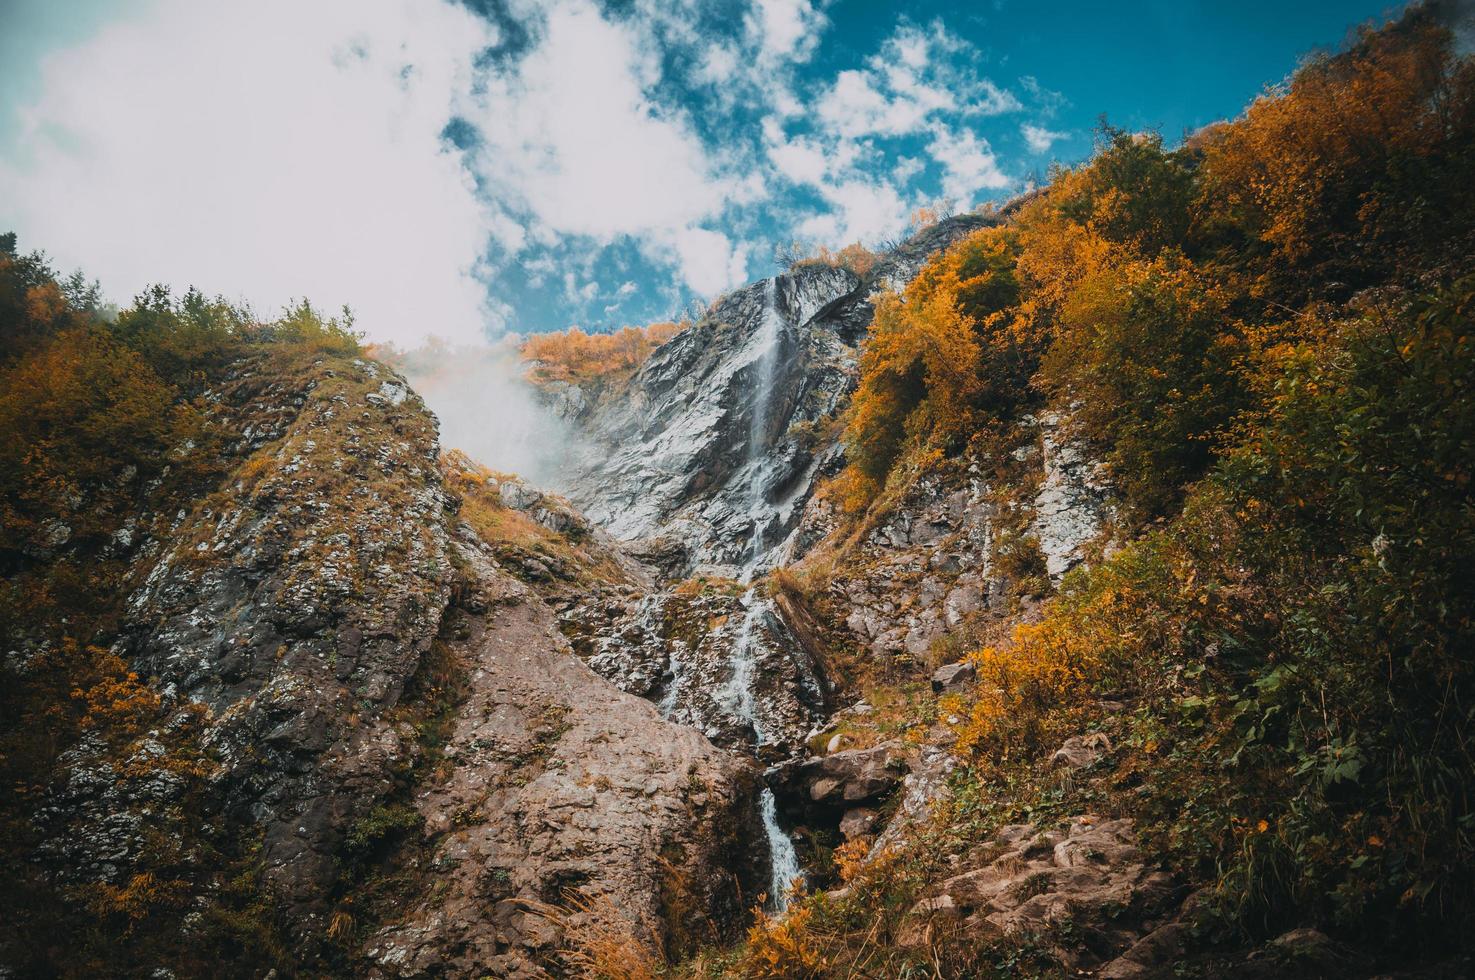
(1073, 500)
(723, 661)
(714, 445)
(562, 785)
(1089, 873)
(302, 617)
(929, 567)
(296, 604)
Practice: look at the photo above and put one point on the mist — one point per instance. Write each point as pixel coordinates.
(488, 409)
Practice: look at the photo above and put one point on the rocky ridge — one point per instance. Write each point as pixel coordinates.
(360, 678)
(706, 452)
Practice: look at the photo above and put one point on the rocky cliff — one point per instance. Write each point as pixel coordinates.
(709, 453)
(349, 674)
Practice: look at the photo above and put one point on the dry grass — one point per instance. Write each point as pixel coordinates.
(600, 941)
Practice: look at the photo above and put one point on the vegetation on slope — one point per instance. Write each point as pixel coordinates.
(577, 357)
(103, 436)
(1267, 334)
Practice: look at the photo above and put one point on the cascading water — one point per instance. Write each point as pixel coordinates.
(782, 858)
(781, 854)
(766, 340)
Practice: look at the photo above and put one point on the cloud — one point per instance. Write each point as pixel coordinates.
(571, 141)
(860, 211)
(917, 75)
(1038, 138)
(968, 165)
(586, 144)
(266, 150)
(488, 410)
(786, 29)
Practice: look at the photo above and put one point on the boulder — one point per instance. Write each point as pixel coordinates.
(858, 822)
(1080, 751)
(1088, 873)
(954, 678)
(821, 789)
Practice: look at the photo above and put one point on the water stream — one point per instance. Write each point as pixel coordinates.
(783, 859)
(770, 327)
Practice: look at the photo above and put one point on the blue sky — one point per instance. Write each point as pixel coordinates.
(462, 169)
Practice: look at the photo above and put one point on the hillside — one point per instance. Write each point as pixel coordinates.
(1079, 587)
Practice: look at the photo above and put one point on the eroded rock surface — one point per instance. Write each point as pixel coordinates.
(719, 659)
(563, 787)
(715, 444)
(1090, 874)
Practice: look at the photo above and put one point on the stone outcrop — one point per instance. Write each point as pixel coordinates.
(1029, 880)
(715, 444)
(928, 567)
(840, 789)
(294, 605)
(310, 617)
(563, 789)
(719, 659)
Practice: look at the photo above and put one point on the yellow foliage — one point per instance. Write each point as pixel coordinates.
(783, 947)
(600, 941)
(855, 257)
(937, 360)
(1046, 665)
(1350, 153)
(576, 356)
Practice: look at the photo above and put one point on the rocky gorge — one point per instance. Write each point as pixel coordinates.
(461, 721)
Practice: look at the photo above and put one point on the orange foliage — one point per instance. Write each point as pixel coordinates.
(575, 356)
(1350, 154)
(939, 360)
(784, 947)
(855, 257)
(115, 702)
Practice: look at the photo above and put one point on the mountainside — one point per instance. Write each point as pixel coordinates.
(713, 447)
(1079, 587)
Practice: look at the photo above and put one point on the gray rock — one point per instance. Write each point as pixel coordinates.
(1080, 751)
(707, 442)
(953, 678)
(858, 822)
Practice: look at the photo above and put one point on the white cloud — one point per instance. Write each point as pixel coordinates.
(968, 165)
(802, 161)
(709, 261)
(1038, 138)
(917, 75)
(265, 150)
(861, 211)
(785, 29)
(905, 169)
(571, 139)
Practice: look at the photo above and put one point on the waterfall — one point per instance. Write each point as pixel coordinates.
(782, 857)
(738, 692)
(766, 340)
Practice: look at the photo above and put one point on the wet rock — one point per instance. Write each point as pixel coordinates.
(841, 780)
(712, 442)
(954, 678)
(723, 662)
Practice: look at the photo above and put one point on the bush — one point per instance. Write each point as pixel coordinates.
(577, 357)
